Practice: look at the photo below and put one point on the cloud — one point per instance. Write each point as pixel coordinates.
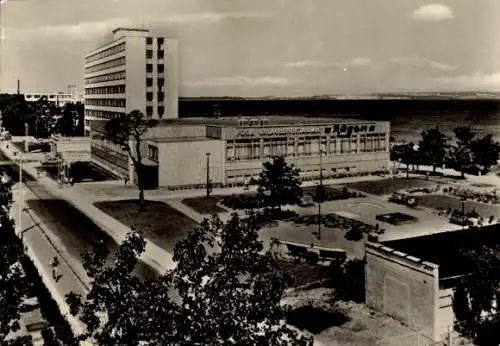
(432, 13)
(489, 82)
(244, 81)
(95, 28)
(361, 61)
(417, 61)
(310, 64)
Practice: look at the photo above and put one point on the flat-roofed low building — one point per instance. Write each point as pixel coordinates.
(234, 149)
(413, 279)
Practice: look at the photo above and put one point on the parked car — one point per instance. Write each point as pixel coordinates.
(306, 201)
(403, 198)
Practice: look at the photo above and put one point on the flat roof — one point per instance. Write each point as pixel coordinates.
(278, 120)
(444, 249)
(179, 139)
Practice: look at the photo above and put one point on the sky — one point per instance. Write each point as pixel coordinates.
(266, 47)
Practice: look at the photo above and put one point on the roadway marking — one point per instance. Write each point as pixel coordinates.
(362, 204)
(348, 214)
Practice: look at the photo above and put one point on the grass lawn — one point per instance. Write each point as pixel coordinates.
(204, 205)
(160, 223)
(390, 185)
(437, 201)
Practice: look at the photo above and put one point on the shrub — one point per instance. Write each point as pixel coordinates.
(354, 235)
(348, 280)
(245, 201)
(491, 219)
(311, 257)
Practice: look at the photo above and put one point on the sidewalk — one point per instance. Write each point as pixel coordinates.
(154, 256)
(41, 251)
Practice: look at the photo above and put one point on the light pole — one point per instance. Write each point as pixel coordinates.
(320, 193)
(208, 174)
(20, 191)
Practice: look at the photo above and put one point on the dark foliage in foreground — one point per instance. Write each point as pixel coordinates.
(227, 293)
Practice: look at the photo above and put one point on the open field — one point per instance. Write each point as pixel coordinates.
(389, 185)
(160, 223)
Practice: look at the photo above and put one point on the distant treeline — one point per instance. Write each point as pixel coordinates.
(374, 109)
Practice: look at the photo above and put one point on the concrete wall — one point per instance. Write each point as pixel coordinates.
(176, 131)
(445, 317)
(73, 149)
(135, 93)
(172, 79)
(403, 287)
(185, 163)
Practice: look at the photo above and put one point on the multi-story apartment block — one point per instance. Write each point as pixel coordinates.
(134, 71)
(60, 98)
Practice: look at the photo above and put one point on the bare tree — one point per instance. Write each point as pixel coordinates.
(122, 130)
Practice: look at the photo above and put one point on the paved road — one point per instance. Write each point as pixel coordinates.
(74, 230)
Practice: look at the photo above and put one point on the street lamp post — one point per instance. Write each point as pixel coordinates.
(21, 197)
(208, 174)
(320, 195)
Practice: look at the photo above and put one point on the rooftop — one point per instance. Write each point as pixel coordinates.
(444, 249)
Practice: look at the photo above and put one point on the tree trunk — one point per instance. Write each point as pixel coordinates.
(408, 170)
(141, 198)
(433, 168)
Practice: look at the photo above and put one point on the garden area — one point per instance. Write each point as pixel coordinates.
(334, 221)
(390, 185)
(160, 223)
(447, 204)
(474, 193)
(205, 205)
(332, 193)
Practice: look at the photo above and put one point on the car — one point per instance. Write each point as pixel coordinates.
(306, 201)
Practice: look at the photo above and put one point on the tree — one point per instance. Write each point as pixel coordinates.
(226, 291)
(72, 121)
(477, 296)
(486, 152)
(14, 286)
(126, 131)
(460, 156)
(406, 154)
(432, 147)
(279, 183)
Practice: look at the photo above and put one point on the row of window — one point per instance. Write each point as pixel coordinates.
(160, 54)
(152, 152)
(304, 147)
(160, 111)
(106, 102)
(160, 82)
(106, 77)
(160, 96)
(105, 53)
(160, 40)
(115, 89)
(160, 68)
(106, 65)
(102, 114)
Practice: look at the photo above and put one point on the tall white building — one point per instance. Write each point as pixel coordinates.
(134, 71)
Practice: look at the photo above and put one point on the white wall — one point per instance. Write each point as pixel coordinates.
(135, 93)
(185, 163)
(172, 79)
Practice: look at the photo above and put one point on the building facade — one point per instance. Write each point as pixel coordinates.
(60, 98)
(230, 151)
(134, 71)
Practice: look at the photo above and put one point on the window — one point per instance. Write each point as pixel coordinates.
(149, 40)
(161, 82)
(149, 54)
(149, 68)
(160, 41)
(152, 152)
(149, 111)
(161, 54)
(149, 82)
(149, 96)
(354, 145)
(161, 68)
(161, 97)
(161, 111)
